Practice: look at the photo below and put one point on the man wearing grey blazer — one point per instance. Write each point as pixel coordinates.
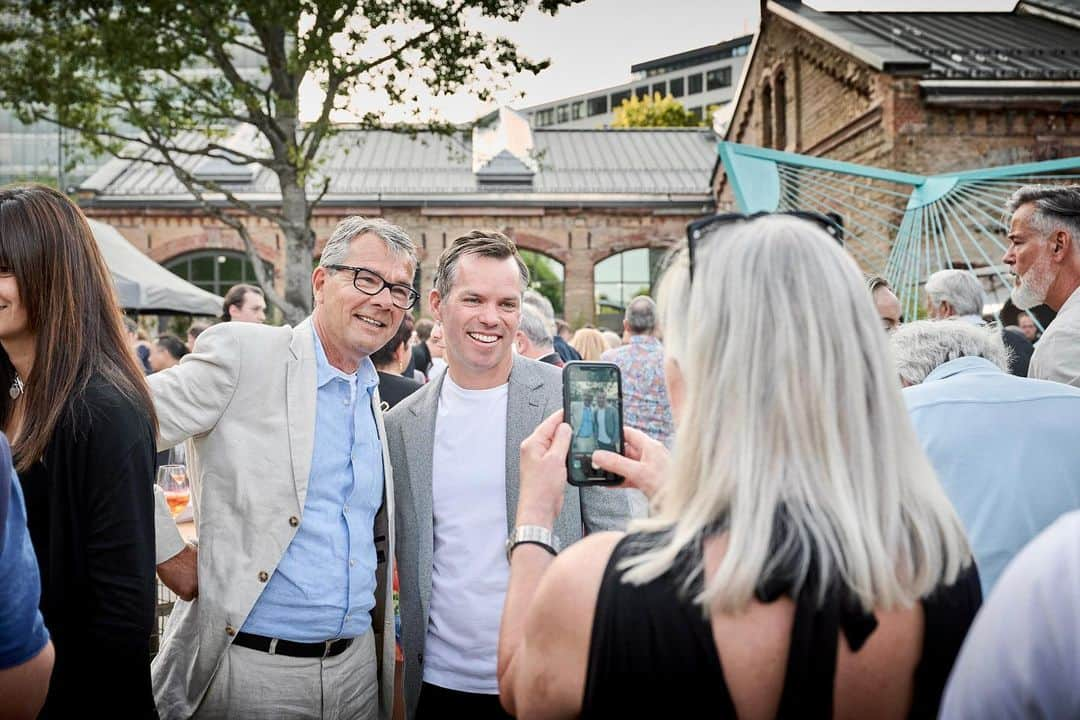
(454, 446)
(290, 614)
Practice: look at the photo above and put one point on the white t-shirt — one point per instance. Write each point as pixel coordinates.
(469, 570)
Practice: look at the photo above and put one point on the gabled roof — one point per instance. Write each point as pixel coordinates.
(573, 167)
(1018, 45)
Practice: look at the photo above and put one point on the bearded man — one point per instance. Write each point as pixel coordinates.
(1045, 258)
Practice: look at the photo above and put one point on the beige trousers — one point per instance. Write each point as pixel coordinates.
(252, 685)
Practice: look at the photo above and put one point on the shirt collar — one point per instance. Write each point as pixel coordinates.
(644, 340)
(365, 376)
(962, 366)
(1074, 299)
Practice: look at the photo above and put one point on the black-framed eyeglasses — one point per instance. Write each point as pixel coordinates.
(370, 282)
(698, 229)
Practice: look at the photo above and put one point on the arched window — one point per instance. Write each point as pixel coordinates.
(216, 270)
(766, 116)
(546, 277)
(780, 136)
(619, 279)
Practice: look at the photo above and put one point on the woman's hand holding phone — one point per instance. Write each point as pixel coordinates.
(644, 466)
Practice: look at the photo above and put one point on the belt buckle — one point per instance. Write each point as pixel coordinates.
(326, 650)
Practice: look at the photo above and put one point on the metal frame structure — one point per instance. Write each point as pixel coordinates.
(899, 225)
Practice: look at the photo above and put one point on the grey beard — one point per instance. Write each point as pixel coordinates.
(1025, 298)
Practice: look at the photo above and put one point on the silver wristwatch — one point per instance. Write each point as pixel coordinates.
(533, 534)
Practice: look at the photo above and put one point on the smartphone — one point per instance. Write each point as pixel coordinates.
(592, 405)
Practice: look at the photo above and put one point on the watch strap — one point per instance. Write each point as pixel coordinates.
(534, 535)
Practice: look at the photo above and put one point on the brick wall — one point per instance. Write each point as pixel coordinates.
(840, 108)
(576, 238)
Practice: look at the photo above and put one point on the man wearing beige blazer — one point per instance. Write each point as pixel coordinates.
(292, 615)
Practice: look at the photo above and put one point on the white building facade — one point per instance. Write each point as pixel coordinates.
(701, 79)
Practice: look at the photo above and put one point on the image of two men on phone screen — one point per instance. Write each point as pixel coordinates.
(596, 424)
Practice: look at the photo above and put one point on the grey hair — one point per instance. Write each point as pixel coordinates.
(534, 327)
(641, 315)
(397, 241)
(543, 306)
(959, 288)
(485, 243)
(920, 347)
(1055, 206)
(796, 412)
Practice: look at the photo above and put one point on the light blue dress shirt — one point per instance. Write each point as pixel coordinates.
(1006, 449)
(324, 586)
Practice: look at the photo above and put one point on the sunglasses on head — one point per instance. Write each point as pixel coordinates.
(698, 229)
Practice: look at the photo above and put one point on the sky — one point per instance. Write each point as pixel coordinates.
(593, 44)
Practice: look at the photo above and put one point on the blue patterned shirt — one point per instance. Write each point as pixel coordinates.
(645, 398)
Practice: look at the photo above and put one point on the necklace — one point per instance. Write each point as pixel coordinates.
(16, 387)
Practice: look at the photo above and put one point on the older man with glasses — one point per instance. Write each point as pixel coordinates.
(294, 501)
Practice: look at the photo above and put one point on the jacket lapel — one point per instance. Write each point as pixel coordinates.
(524, 411)
(419, 439)
(301, 391)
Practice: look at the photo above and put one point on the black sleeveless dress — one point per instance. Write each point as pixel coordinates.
(652, 652)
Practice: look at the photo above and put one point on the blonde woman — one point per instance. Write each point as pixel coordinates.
(801, 559)
(590, 344)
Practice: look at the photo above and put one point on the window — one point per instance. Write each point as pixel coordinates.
(577, 111)
(563, 114)
(718, 78)
(620, 278)
(781, 112)
(642, 92)
(693, 84)
(618, 98)
(216, 270)
(660, 87)
(545, 117)
(546, 276)
(676, 87)
(597, 105)
(695, 111)
(766, 116)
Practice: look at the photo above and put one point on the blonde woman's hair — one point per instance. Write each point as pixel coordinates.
(589, 343)
(795, 411)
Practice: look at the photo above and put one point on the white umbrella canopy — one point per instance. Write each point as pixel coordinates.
(144, 286)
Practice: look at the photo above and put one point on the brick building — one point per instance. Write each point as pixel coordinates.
(599, 206)
(917, 92)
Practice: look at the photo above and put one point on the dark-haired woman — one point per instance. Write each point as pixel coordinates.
(79, 414)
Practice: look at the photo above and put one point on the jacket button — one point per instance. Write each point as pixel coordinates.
(294, 521)
(263, 576)
(230, 630)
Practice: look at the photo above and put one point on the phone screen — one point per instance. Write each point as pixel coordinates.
(592, 405)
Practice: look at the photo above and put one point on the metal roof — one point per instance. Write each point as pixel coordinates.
(697, 55)
(953, 45)
(375, 165)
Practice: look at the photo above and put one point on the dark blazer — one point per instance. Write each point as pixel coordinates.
(1021, 349)
(394, 388)
(421, 358)
(90, 510)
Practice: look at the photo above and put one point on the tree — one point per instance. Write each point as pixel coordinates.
(653, 111)
(544, 278)
(131, 77)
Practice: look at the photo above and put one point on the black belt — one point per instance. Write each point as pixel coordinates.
(274, 646)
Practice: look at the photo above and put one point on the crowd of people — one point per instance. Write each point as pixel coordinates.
(817, 517)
